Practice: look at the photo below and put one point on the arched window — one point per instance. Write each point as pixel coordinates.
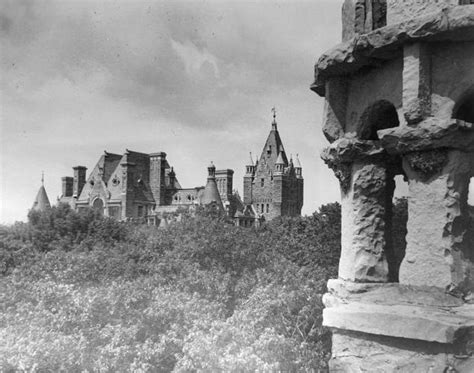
(98, 205)
(464, 109)
(378, 116)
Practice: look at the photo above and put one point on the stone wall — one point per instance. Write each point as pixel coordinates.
(399, 100)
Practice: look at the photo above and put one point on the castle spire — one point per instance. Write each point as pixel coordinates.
(41, 202)
(274, 123)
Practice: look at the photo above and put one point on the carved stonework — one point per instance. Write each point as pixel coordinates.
(342, 171)
(427, 163)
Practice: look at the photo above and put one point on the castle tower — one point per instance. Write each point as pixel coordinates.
(41, 202)
(211, 193)
(224, 181)
(270, 185)
(399, 94)
(248, 180)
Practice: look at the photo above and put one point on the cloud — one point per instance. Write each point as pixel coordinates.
(195, 60)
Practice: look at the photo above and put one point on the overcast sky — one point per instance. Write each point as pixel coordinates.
(196, 80)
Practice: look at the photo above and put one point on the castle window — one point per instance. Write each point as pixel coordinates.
(140, 211)
(269, 150)
(268, 207)
(262, 182)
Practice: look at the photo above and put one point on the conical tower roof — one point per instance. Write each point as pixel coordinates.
(211, 193)
(41, 202)
(280, 159)
(250, 160)
(297, 162)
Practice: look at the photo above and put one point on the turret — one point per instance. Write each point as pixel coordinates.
(211, 193)
(250, 167)
(41, 202)
(298, 168)
(279, 164)
(172, 178)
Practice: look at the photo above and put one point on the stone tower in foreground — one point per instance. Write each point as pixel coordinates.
(399, 94)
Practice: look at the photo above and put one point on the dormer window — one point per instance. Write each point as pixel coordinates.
(269, 150)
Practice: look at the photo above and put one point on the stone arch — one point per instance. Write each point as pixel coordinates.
(380, 115)
(98, 205)
(464, 108)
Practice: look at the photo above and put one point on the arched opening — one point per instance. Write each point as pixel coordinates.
(464, 109)
(378, 116)
(98, 205)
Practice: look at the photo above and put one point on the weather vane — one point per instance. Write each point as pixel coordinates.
(42, 177)
(274, 113)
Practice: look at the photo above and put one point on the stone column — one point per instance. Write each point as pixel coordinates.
(360, 167)
(437, 220)
(416, 82)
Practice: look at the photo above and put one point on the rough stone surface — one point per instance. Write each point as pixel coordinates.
(363, 212)
(416, 82)
(358, 352)
(436, 226)
(340, 155)
(395, 327)
(432, 133)
(399, 101)
(383, 43)
(399, 11)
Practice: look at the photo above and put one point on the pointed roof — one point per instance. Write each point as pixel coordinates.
(210, 193)
(250, 160)
(297, 162)
(41, 202)
(280, 159)
(273, 148)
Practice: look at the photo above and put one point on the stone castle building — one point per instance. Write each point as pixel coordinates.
(144, 187)
(139, 186)
(273, 185)
(399, 94)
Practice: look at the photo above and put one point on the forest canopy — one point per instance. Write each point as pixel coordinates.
(87, 293)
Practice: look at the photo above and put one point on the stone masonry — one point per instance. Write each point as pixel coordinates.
(399, 94)
(273, 185)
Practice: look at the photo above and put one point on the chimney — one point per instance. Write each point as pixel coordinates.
(157, 177)
(224, 180)
(79, 180)
(68, 186)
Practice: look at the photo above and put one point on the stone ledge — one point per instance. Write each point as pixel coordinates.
(395, 310)
(455, 23)
(432, 133)
(347, 150)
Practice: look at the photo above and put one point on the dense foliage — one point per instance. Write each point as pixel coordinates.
(84, 293)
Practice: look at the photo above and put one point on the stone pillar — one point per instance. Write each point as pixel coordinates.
(363, 225)
(437, 220)
(416, 82)
(361, 170)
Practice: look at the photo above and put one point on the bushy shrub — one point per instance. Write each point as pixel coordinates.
(199, 295)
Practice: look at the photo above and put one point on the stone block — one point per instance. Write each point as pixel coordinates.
(432, 133)
(416, 82)
(437, 221)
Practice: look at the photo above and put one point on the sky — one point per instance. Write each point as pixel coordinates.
(196, 80)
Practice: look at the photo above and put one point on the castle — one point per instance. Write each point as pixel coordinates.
(144, 187)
